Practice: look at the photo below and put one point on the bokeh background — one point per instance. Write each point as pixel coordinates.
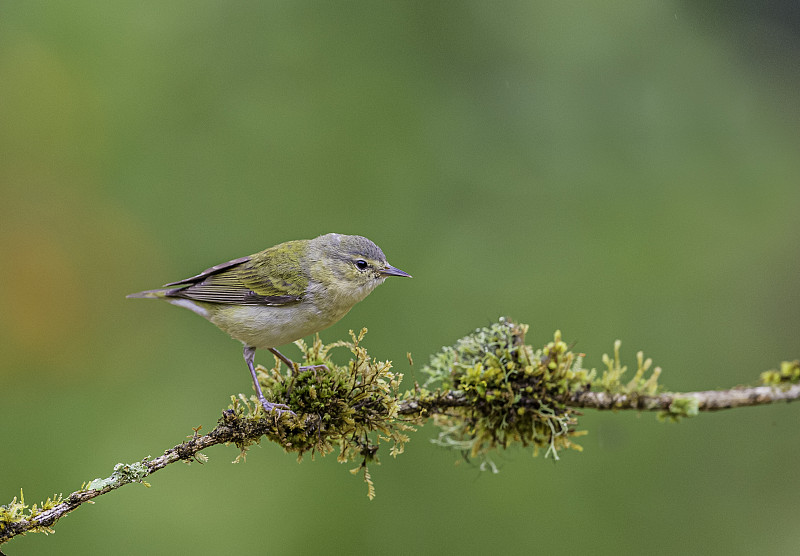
(612, 169)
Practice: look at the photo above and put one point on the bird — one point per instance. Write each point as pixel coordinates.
(283, 293)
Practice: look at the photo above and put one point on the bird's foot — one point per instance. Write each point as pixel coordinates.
(313, 369)
(279, 408)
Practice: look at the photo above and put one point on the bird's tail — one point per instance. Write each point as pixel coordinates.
(168, 295)
(150, 294)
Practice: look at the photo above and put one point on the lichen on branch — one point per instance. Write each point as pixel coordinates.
(490, 390)
(351, 407)
(513, 393)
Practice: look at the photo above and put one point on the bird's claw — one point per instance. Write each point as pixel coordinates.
(319, 367)
(313, 369)
(279, 408)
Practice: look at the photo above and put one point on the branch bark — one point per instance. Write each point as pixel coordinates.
(708, 400)
(229, 430)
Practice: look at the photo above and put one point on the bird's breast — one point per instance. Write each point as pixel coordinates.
(262, 326)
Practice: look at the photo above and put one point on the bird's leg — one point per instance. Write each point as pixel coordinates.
(282, 357)
(249, 355)
(291, 364)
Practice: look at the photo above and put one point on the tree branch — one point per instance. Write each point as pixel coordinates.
(233, 429)
(707, 400)
(226, 431)
(492, 390)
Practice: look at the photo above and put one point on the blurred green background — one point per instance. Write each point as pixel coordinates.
(615, 170)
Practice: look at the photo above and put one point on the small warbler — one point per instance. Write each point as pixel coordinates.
(283, 293)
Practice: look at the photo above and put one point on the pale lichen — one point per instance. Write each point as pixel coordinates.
(123, 473)
(686, 406)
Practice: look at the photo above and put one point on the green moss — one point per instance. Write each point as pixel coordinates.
(789, 373)
(18, 512)
(516, 394)
(353, 407)
(641, 384)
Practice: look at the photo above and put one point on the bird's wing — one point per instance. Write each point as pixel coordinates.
(208, 272)
(243, 281)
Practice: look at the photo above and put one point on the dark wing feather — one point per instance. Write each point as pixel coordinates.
(209, 271)
(236, 282)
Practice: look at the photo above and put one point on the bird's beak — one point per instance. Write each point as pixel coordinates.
(392, 271)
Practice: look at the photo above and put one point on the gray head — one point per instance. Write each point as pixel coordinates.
(354, 262)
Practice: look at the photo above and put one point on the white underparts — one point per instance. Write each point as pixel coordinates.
(188, 304)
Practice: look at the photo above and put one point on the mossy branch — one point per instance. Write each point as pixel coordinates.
(707, 400)
(488, 391)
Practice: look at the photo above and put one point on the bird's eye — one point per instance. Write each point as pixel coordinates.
(361, 264)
